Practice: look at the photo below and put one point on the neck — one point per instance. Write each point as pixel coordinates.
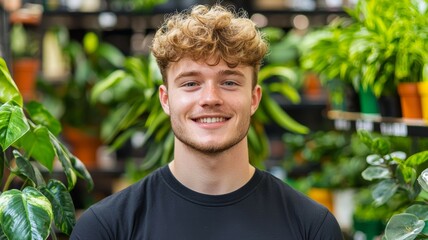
(212, 174)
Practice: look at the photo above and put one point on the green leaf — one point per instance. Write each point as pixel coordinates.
(381, 146)
(280, 117)
(111, 54)
(111, 80)
(403, 226)
(375, 172)
(90, 42)
(40, 115)
(13, 124)
(62, 203)
(26, 169)
(37, 144)
(420, 210)
(423, 180)
(25, 215)
(65, 162)
(81, 171)
(8, 89)
(417, 159)
(383, 191)
(408, 173)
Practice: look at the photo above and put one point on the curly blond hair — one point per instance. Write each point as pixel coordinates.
(203, 33)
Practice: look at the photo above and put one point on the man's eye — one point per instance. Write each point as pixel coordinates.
(190, 84)
(230, 83)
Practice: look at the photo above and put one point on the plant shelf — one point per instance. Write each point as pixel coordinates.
(352, 121)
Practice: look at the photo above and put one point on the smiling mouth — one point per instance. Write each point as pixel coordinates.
(211, 120)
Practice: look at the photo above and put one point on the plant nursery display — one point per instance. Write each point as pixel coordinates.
(32, 204)
(379, 46)
(401, 183)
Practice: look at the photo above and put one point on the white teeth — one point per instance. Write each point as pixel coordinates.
(211, 120)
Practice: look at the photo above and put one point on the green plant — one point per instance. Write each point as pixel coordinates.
(31, 202)
(402, 184)
(379, 45)
(24, 43)
(131, 94)
(89, 61)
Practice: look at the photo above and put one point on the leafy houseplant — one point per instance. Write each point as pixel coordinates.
(29, 147)
(402, 184)
(89, 62)
(381, 44)
(132, 96)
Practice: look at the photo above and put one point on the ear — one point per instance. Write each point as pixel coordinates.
(255, 98)
(163, 97)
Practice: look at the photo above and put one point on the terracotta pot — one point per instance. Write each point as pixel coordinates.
(423, 92)
(410, 100)
(25, 75)
(83, 145)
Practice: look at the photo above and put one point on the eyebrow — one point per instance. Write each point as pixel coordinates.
(226, 72)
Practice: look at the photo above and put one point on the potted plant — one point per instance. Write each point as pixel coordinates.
(382, 46)
(89, 61)
(32, 204)
(401, 183)
(131, 94)
(25, 64)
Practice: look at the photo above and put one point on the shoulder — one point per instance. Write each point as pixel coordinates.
(117, 210)
(310, 217)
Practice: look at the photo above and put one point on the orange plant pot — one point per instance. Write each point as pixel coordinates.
(25, 75)
(83, 145)
(323, 196)
(410, 100)
(423, 92)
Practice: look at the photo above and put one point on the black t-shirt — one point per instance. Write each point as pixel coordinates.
(161, 208)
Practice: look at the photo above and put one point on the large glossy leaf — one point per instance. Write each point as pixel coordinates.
(417, 159)
(8, 89)
(40, 115)
(423, 180)
(376, 172)
(383, 191)
(420, 210)
(65, 162)
(403, 226)
(13, 124)
(62, 203)
(37, 144)
(282, 118)
(81, 171)
(26, 169)
(25, 215)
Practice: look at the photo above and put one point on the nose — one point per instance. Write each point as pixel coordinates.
(210, 95)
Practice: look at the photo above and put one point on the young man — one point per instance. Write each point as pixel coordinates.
(209, 59)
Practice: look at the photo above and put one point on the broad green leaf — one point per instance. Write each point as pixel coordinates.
(281, 118)
(8, 89)
(403, 226)
(286, 90)
(111, 54)
(420, 210)
(40, 115)
(62, 203)
(25, 169)
(417, 159)
(81, 171)
(383, 191)
(25, 215)
(408, 173)
(65, 162)
(375, 172)
(13, 124)
(111, 80)
(423, 180)
(381, 146)
(37, 144)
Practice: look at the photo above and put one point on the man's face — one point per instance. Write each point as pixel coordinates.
(210, 106)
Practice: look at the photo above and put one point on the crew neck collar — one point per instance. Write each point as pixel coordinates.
(211, 200)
